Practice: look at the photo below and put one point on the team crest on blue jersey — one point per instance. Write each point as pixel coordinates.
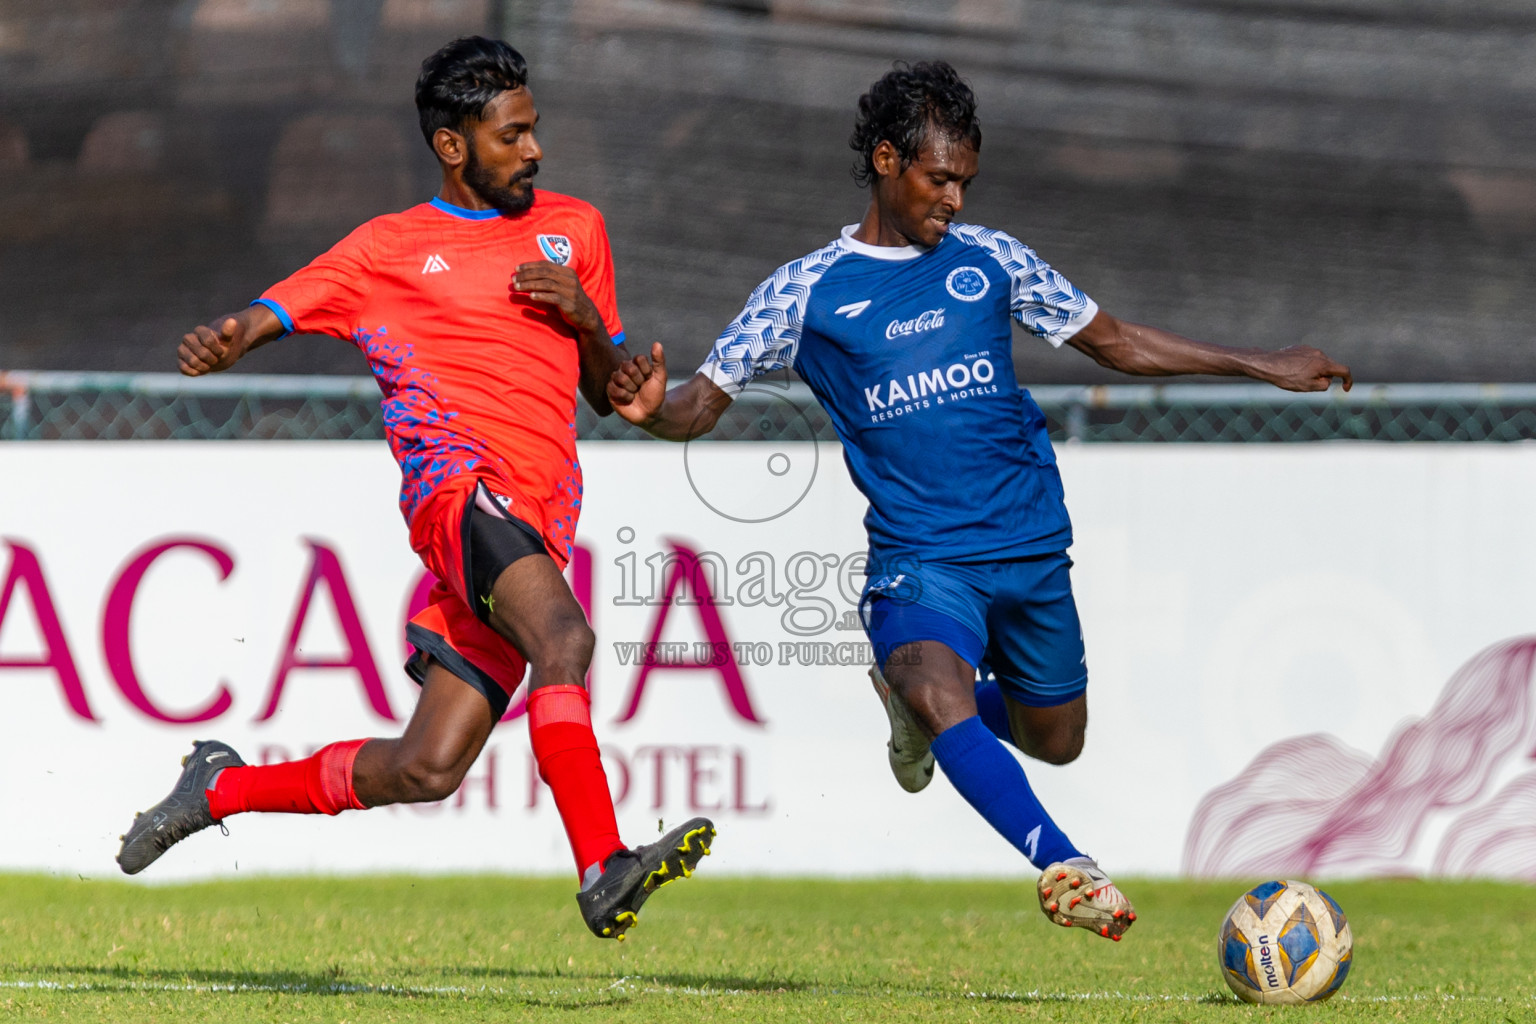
(557, 248)
(966, 283)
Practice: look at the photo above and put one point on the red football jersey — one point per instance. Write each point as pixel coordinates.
(477, 378)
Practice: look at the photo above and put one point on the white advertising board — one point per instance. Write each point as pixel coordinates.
(1272, 637)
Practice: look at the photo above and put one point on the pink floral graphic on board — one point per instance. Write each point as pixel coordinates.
(1312, 806)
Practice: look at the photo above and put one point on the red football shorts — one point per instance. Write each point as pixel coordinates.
(448, 628)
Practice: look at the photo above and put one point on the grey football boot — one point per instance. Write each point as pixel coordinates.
(611, 903)
(909, 749)
(181, 813)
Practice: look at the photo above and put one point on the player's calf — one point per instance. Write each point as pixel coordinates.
(424, 784)
(392, 773)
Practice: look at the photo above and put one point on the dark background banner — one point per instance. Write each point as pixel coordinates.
(1355, 174)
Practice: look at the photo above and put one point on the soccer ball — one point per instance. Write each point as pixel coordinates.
(1285, 943)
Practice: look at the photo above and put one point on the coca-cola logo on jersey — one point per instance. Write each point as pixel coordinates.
(922, 322)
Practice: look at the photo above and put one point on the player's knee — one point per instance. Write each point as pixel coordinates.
(567, 647)
(936, 703)
(1053, 735)
(1061, 746)
(427, 780)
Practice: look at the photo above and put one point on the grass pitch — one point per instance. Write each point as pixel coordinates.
(491, 948)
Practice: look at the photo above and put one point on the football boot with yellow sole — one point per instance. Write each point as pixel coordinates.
(611, 904)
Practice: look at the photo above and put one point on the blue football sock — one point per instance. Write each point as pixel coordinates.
(993, 710)
(993, 782)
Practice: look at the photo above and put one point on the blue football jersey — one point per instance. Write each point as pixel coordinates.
(910, 352)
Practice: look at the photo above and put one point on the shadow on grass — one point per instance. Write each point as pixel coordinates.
(1208, 998)
(691, 980)
(334, 981)
(98, 978)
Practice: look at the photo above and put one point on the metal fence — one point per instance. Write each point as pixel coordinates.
(61, 406)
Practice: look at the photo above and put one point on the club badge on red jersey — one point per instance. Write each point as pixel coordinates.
(557, 248)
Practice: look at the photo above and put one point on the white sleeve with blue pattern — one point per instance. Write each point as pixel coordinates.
(1042, 300)
(766, 333)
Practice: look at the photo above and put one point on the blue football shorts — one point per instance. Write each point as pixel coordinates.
(1014, 619)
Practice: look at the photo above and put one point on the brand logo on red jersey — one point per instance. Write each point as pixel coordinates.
(557, 248)
(435, 264)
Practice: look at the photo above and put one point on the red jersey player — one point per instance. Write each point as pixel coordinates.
(481, 313)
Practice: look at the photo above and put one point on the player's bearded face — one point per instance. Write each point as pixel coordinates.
(508, 193)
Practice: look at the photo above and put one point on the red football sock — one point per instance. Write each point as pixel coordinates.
(560, 728)
(319, 784)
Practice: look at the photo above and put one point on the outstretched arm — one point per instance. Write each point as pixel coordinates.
(558, 286)
(638, 391)
(1150, 352)
(220, 344)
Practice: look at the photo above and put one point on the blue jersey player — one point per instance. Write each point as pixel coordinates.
(901, 328)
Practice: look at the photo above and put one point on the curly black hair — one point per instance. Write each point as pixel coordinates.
(901, 108)
(458, 81)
